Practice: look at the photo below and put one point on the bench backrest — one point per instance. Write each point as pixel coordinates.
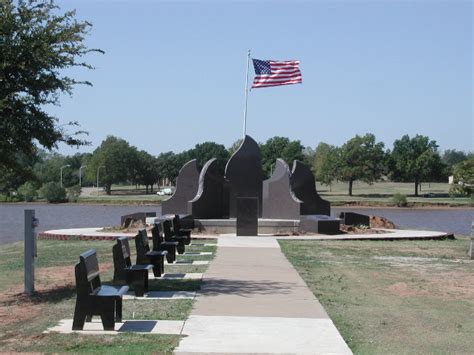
(167, 229)
(124, 249)
(157, 235)
(87, 273)
(141, 243)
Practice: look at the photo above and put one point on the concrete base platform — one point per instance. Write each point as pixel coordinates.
(95, 327)
(253, 335)
(162, 295)
(177, 276)
(265, 226)
(190, 262)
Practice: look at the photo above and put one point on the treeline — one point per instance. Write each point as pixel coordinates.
(411, 159)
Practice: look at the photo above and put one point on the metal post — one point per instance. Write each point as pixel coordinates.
(80, 175)
(30, 251)
(246, 94)
(98, 178)
(61, 172)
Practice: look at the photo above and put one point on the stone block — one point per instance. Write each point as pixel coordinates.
(354, 219)
(247, 216)
(321, 224)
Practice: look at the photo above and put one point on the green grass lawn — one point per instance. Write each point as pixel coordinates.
(377, 194)
(399, 297)
(24, 319)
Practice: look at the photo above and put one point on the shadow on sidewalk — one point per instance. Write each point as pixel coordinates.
(245, 288)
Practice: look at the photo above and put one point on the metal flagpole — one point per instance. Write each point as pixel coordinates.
(246, 94)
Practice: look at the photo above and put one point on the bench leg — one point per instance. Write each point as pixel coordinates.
(107, 314)
(171, 256)
(157, 269)
(89, 318)
(138, 283)
(180, 247)
(118, 309)
(79, 318)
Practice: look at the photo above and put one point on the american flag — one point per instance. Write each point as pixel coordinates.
(275, 73)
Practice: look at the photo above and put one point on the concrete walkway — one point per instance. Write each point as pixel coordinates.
(254, 301)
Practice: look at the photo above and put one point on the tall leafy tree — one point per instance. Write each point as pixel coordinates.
(463, 174)
(205, 151)
(415, 160)
(325, 163)
(147, 172)
(361, 158)
(37, 43)
(280, 147)
(116, 160)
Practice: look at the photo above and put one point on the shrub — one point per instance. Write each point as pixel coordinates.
(9, 198)
(73, 193)
(53, 192)
(27, 191)
(400, 200)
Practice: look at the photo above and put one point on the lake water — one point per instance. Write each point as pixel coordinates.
(454, 220)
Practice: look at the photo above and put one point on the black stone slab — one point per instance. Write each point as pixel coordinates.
(187, 185)
(244, 174)
(279, 202)
(247, 216)
(354, 219)
(321, 224)
(304, 187)
(209, 199)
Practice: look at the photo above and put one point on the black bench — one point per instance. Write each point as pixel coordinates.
(93, 298)
(136, 276)
(159, 243)
(170, 236)
(145, 256)
(178, 230)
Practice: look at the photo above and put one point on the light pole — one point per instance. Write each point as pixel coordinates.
(98, 178)
(61, 172)
(80, 174)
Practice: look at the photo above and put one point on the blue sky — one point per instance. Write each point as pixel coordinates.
(174, 72)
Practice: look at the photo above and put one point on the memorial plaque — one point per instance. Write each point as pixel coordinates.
(247, 216)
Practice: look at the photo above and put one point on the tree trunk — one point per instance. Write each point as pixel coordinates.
(108, 188)
(416, 187)
(146, 189)
(151, 187)
(350, 187)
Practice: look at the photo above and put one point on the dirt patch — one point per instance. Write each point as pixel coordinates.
(380, 222)
(448, 286)
(52, 284)
(360, 230)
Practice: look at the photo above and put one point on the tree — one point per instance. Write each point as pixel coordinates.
(208, 150)
(233, 148)
(463, 174)
(325, 163)
(280, 147)
(36, 44)
(147, 169)
(115, 159)
(415, 160)
(169, 164)
(361, 158)
(451, 157)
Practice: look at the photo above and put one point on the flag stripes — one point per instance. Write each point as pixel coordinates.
(276, 73)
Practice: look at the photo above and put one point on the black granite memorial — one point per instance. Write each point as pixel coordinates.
(187, 185)
(279, 202)
(208, 202)
(244, 175)
(321, 224)
(303, 186)
(354, 219)
(247, 216)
